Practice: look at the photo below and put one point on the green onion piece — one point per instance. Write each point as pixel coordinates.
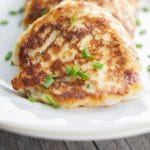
(72, 71)
(13, 13)
(86, 53)
(146, 9)
(16, 12)
(138, 22)
(73, 19)
(148, 68)
(83, 76)
(54, 75)
(88, 86)
(98, 65)
(139, 45)
(52, 102)
(76, 71)
(3, 22)
(44, 11)
(8, 56)
(148, 56)
(31, 99)
(49, 81)
(142, 32)
(21, 10)
(68, 70)
(12, 63)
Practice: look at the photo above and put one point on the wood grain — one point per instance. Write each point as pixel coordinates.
(10, 141)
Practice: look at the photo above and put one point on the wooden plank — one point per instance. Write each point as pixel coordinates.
(119, 144)
(139, 142)
(52, 145)
(80, 146)
(9, 141)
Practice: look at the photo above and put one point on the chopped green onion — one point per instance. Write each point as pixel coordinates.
(16, 12)
(13, 13)
(54, 75)
(138, 22)
(12, 63)
(76, 71)
(146, 9)
(68, 70)
(148, 68)
(139, 45)
(31, 99)
(73, 19)
(83, 76)
(21, 10)
(86, 53)
(88, 86)
(50, 80)
(8, 56)
(98, 65)
(44, 11)
(72, 71)
(148, 56)
(142, 32)
(52, 102)
(3, 22)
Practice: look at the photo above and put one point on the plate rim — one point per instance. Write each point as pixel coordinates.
(35, 131)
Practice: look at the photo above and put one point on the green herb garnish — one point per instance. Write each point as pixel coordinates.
(148, 68)
(3, 22)
(73, 19)
(138, 22)
(16, 12)
(142, 32)
(12, 63)
(44, 11)
(8, 56)
(146, 9)
(72, 70)
(52, 102)
(13, 13)
(21, 10)
(50, 80)
(98, 65)
(139, 45)
(82, 75)
(31, 99)
(88, 86)
(86, 53)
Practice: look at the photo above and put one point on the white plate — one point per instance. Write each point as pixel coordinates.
(34, 119)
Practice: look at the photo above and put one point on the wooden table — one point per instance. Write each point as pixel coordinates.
(9, 141)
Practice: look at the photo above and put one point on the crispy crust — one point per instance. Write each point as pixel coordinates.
(121, 9)
(53, 43)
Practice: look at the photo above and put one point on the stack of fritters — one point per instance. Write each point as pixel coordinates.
(78, 53)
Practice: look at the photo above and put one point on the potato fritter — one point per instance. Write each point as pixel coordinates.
(77, 56)
(121, 9)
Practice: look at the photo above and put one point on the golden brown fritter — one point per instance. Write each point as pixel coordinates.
(121, 9)
(86, 54)
(36, 8)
